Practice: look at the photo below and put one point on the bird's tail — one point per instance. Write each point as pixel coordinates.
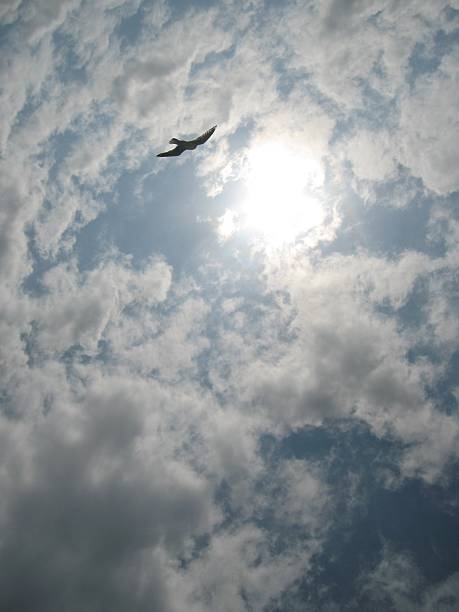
(174, 141)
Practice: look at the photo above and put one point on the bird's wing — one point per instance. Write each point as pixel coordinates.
(172, 152)
(204, 137)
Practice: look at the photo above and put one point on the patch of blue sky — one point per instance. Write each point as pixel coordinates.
(422, 351)
(375, 113)
(7, 408)
(370, 516)
(32, 284)
(426, 59)
(273, 11)
(179, 8)
(413, 517)
(374, 18)
(31, 105)
(452, 14)
(288, 79)
(35, 355)
(197, 212)
(241, 136)
(214, 58)
(244, 278)
(327, 104)
(249, 297)
(383, 229)
(446, 42)
(392, 231)
(130, 27)
(411, 314)
(445, 393)
(6, 30)
(11, 34)
(76, 355)
(341, 441)
(343, 451)
(61, 145)
(162, 219)
(222, 498)
(69, 69)
(198, 545)
(422, 61)
(442, 392)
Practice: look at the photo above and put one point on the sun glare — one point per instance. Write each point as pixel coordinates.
(280, 202)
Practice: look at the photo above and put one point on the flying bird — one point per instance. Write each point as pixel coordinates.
(187, 145)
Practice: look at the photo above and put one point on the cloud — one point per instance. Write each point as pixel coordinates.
(397, 582)
(238, 570)
(370, 156)
(137, 398)
(429, 126)
(8, 10)
(85, 486)
(13, 243)
(44, 16)
(80, 307)
(338, 358)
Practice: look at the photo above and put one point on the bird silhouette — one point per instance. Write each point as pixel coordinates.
(187, 145)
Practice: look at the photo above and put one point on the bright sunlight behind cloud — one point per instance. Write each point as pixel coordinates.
(281, 200)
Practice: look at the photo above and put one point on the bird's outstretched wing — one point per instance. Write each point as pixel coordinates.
(172, 152)
(204, 137)
(183, 145)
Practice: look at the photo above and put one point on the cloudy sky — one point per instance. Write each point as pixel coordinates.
(229, 380)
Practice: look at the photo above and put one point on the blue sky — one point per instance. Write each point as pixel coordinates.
(229, 380)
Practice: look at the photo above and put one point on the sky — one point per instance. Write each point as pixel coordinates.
(229, 380)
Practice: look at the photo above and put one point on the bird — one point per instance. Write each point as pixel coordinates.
(187, 145)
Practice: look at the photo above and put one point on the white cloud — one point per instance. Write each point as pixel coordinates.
(370, 155)
(238, 569)
(25, 72)
(429, 128)
(227, 224)
(130, 397)
(339, 358)
(79, 307)
(304, 496)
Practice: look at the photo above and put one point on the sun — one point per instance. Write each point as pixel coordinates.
(281, 199)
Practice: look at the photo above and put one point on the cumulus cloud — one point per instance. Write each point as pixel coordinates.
(85, 486)
(340, 358)
(431, 152)
(370, 156)
(80, 307)
(239, 569)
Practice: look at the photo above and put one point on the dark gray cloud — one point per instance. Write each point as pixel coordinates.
(88, 507)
